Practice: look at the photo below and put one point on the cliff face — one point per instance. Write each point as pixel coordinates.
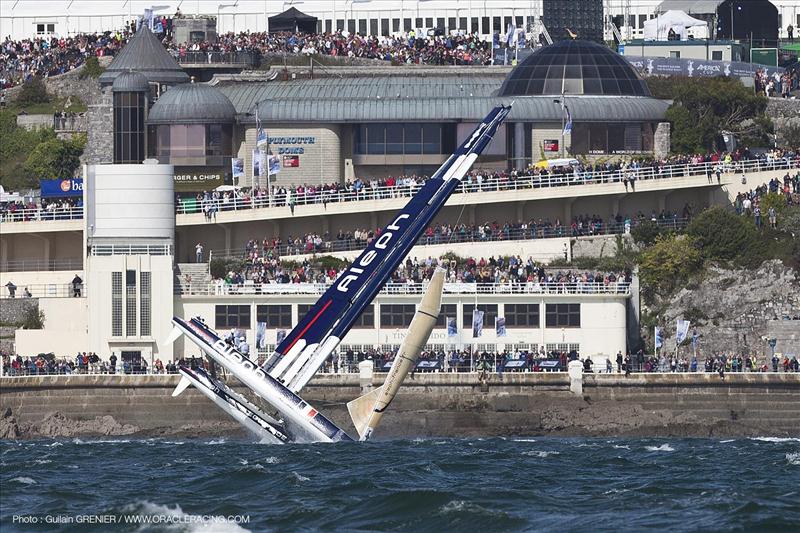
(734, 309)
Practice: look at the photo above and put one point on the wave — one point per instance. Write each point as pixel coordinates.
(776, 439)
(523, 440)
(662, 448)
(540, 453)
(299, 477)
(42, 461)
(272, 460)
(215, 442)
(169, 515)
(24, 480)
(727, 441)
(793, 458)
(621, 447)
(463, 506)
(100, 441)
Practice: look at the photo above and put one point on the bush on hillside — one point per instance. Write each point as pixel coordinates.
(668, 264)
(55, 158)
(723, 236)
(92, 68)
(33, 92)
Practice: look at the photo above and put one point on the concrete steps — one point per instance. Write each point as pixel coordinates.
(192, 275)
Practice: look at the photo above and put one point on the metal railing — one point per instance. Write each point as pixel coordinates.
(626, 178)
(470, 185)
(45, 290)
(249, 288)
(37, 214)
(189, 57)
(33, 265)
(469, 236)
(131, 249)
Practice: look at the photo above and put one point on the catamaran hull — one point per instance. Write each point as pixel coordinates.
(263, 426)
(307, 424)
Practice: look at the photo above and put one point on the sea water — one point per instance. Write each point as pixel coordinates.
(484, 485)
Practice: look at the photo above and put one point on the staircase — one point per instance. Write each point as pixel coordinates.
(192, 278)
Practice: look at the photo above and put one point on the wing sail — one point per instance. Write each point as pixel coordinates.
(304, 350)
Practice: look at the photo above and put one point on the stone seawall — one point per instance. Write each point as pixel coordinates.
(428, 405)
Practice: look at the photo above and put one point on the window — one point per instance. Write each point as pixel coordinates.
(406, 24)
(116, 304)
(429, 22)
(440, 23)
(519, 21)
(563, 315)
(485, 25)
(397, 315)
(674, 54)
(144, 305)
(367, 318)
(462, 24)
(398, 139)
(489, 314)
(362, 26)
(475, 25)
(451, 23)
(716, 55)
(396, 25)
(339, 24)
(232, 316)
(522, 315)
(418, 22)
(130, 303)
(328, 26)
(275, 316)
(447, 311)
(385, 27)
(129, 127)
(496, 21)
(642, 20)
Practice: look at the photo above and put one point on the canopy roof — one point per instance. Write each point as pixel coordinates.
(292, 20)
(657, 29)
(145, 54)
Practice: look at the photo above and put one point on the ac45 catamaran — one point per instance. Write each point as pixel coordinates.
(316, 336)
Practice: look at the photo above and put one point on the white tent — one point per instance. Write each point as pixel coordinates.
(657, 29)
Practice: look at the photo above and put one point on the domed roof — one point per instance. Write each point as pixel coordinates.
(574, 67)
(192, 103)
(130, 82)
(144, 53)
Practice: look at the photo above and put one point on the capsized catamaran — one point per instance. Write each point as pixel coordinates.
(317, 335)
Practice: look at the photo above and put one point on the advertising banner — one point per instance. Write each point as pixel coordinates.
(62, 187)
(452, 327)
(477, 323)
(550, 145)
(237, 168)
(198, 179)
(500, 326)
(668, 66)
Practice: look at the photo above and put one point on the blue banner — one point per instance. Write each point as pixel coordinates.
(64, 187)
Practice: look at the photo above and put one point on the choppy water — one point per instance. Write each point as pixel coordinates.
(435, 485)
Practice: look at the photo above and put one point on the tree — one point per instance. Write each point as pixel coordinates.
(667, 264)
(55, 158)
(711, 106)
(33, 92)
(15, 146)
(92, 68)
(722, 235)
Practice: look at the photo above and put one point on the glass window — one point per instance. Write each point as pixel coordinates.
(475, 25)
(447, 311)
(451, 23)
(489, 314)
(385, 27)
(116, 304)
(522, 315)
(397, 315)
(440, 23)
(130, 303)
(232, 316)
(616, 138)
(339, 24)
(275, 316)
(716, 55)
(396, 25)
(328, 26)
(351, 26)
(485, 25)
(563, 315)
(418, 22)
(144, 311)
(462, 24)
(367, 318)
(412, 138)
(496, 21)
(376, 140)
(373, 27)
(394, 139)
(598, 143)
(431, 139)
(406, 24)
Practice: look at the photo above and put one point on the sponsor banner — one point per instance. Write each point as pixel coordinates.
(668, 66)
(274, 164)
(280, 335)
(659, 337)
(261, 138)
(681, 330)
(550, 145)
(197, 179)
(452, 327)
(256, 163)
(237, 168)
(460, 287)
(291, 161)
(477, 323)
(62, 187)
(500, 326)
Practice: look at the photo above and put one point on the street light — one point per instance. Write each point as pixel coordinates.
(738, 8)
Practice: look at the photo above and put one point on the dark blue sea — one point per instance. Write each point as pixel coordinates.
(484, 485)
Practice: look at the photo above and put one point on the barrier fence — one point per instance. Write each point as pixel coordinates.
(40, 265)
(469, 236)
(250, 288)
(489, 184)
(45, 290)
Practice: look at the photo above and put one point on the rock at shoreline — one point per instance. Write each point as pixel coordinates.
(9, 428)
(57, 425)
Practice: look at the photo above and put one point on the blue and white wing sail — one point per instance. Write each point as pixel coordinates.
(305, 349)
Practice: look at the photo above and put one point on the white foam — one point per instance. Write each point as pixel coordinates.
(100, 441)
(461, 506)
(523, 440)
(727, 441)
(216, 441)
(298, 477)
(53, 444)
(540, 453)
(243, 461)
(271, 460)
(24, 480)
(622, 447)
(793, 458)
(42, 461)
(776, 439)
(183, 521)
(662, 448)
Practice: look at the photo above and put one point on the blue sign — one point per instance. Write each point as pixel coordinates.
(64, 187)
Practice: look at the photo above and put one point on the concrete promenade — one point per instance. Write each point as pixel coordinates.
(451, 404)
